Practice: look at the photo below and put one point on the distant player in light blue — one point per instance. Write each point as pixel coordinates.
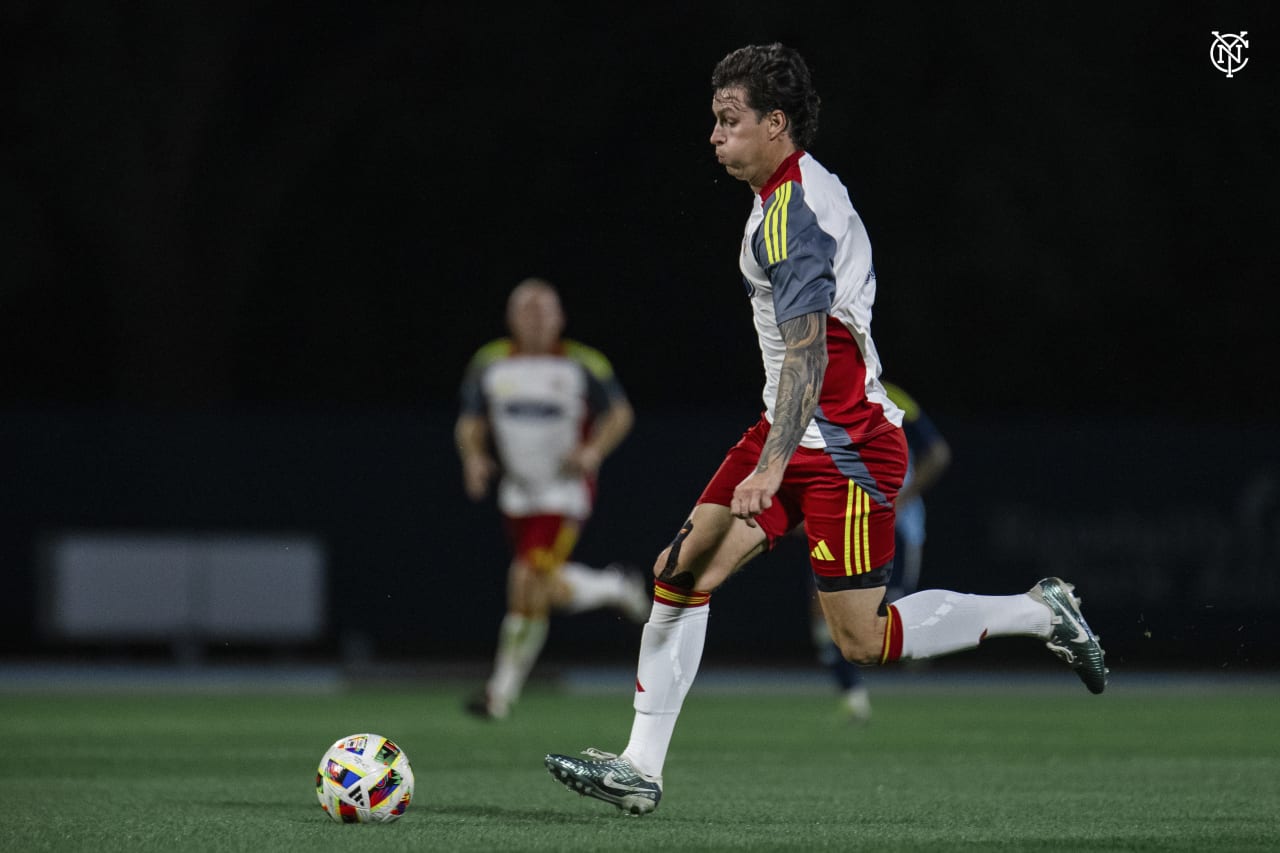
(928, 457)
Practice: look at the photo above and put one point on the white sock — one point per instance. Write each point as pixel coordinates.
(670, 651)
(520, 640)
(592, 588)
(937, 622)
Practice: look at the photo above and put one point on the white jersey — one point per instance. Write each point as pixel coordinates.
(539, 408)
(806, 250)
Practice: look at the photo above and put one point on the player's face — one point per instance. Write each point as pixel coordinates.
(742, 138)
(536, 319)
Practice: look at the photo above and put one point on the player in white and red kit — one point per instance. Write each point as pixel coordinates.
(541, 412)
(828, 451)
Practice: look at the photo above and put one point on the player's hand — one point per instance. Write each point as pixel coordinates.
(753, 496)
(583, 461)
(477, 470)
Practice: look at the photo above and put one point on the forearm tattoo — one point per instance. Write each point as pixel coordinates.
(799, 385)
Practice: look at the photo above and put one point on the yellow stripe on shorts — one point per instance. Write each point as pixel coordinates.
(857, 531)
(550, 559)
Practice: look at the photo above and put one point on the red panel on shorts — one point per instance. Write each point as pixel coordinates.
(848, 521)
(543, 541)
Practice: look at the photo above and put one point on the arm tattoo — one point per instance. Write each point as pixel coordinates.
(799, 385)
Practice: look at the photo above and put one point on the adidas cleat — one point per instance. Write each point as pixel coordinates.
(1071, 638)
(607, 777)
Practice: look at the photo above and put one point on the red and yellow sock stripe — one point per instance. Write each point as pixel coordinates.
(892, 636)
(665, 593)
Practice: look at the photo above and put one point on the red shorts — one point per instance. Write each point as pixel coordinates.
(543, 541)
(843, 495)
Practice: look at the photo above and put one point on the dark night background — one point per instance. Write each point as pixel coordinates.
(249, 248)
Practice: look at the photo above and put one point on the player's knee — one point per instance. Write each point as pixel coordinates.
(669, 566)
(661, 561)
(864, 648)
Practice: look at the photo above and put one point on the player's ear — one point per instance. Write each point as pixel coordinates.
(777, 123)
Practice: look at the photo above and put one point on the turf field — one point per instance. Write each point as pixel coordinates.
(961, 766)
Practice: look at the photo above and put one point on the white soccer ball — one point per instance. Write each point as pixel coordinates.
(364, 778)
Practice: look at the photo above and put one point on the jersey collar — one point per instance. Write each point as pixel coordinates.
(788, 170)
(514, 349)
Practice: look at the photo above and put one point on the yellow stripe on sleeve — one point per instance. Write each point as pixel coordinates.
(782, 229)
(775, 225)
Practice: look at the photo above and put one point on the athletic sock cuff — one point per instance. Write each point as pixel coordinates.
(892, 636)
(665, 593)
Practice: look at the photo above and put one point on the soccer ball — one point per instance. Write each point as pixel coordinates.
(364, 778)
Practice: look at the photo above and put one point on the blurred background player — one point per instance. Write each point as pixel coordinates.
(928, 457)
(540, 413)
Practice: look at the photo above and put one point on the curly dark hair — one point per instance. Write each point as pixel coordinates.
(774, 77)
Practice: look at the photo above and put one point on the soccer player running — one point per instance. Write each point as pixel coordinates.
(552, 409)
(828, 451)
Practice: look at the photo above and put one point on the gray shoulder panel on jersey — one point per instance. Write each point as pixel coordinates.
(796, 253)
(603, 384)
(472, 391)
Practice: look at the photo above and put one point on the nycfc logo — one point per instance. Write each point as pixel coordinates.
(1227, 52)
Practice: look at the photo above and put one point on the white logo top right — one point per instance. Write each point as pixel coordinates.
(1227, 52)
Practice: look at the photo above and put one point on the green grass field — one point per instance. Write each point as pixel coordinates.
(974, 768)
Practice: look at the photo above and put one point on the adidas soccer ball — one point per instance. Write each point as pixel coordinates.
(364, 778)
